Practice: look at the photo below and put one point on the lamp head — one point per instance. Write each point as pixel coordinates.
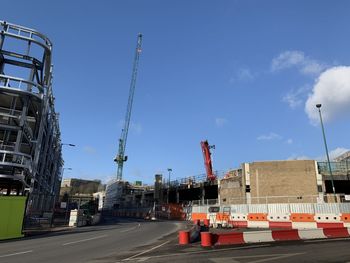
(318, 106)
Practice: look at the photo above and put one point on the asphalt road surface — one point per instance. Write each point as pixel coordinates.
(88, 244)
(326, 250)
(138, 241)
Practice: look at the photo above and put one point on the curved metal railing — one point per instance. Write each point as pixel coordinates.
(25, 33)
(16, 159)
(21, 84)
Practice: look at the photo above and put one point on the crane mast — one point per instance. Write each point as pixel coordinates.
(121, 157)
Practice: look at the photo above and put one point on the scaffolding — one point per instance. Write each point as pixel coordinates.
(30, 145)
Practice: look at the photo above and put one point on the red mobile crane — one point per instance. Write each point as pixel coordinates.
(207, 159)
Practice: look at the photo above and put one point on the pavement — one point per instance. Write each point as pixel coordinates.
(46, 230)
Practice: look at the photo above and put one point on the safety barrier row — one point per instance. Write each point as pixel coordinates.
(291, 216)
(260, 220)
(210, 239)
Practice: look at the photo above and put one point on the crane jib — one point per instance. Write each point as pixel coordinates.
(121, 158)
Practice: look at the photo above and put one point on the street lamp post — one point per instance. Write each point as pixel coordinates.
(68, 144)
(169, 171)
(318, 106)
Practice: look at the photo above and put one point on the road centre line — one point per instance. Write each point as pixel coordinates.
(146, 251)
(14, 254)
(83, 240)
(193, 252)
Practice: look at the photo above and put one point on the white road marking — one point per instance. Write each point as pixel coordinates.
(327, 240)
(83, 240)
(193, 252)
(146, 251)
(129, 229)
(18, 253)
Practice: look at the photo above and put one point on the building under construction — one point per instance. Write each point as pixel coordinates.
(264, 182)
(30, 145)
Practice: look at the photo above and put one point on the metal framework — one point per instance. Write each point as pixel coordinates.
(121, 158)
(30, 145)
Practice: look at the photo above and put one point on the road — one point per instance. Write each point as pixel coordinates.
(139, 241)
(88, 244)
(326, 250)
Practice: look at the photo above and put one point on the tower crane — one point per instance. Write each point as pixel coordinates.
(121, 157)
(207, 159)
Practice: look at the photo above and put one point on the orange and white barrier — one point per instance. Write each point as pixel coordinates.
(293, 216)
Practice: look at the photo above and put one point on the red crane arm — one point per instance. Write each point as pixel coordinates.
(207, 160)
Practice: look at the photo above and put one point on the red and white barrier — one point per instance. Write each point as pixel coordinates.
(295, 221)
(234, 238)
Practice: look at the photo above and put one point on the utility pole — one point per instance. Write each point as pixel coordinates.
(318, 106)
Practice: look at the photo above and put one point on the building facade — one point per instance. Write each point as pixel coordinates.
(291, 181)
(30, 144)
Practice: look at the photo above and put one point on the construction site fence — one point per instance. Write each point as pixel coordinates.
(325, 198)
(166, 211)
(305, 208)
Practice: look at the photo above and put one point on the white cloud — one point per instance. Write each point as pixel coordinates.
(221, 122)
(295, 58)
(242, 74)
(333, 154)
(289, 141)
(312, 67)
(134, 127)
(89, 149)
(287, 59)
(299, 157)
(332, 90)
(245, 74)
(295, 98)
(269, 137)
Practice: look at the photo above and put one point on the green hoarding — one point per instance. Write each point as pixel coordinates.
(11, 216)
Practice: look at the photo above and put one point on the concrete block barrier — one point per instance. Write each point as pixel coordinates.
(236, 238)
(228, 239)
(258, 236)
(311, 233)
(291, 234)
(336, 232)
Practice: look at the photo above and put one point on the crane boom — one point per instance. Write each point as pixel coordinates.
(207, 159)
(121, 158)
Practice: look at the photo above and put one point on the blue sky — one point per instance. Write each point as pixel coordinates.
(243, 74)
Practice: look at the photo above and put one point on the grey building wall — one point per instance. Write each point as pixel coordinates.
(272, 182)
